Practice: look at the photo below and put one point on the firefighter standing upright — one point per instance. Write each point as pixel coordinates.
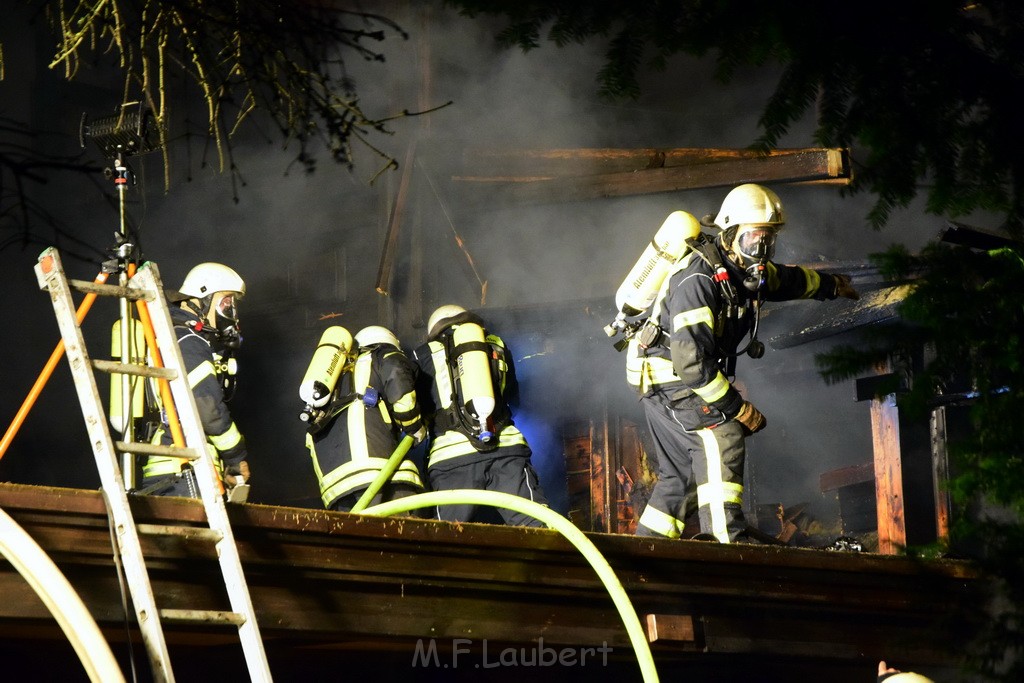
(206, 325)
(468, 386)
(682, 359)
(371, 405)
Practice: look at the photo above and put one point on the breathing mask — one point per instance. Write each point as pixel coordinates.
(755, 242)
(755, 245)
(225, 320)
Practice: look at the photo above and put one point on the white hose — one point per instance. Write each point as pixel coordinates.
(63, 602)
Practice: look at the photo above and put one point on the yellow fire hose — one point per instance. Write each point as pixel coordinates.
(385, 473)
(637, 636)
(60, 598)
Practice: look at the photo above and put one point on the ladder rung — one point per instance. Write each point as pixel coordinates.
(157, 449)
(112, 367)
(208, 616)
(186, 532)
(110, 290)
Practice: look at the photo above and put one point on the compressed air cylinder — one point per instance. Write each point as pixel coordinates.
(329, 361)
(122, 385)
(475, 384)
(641, 286)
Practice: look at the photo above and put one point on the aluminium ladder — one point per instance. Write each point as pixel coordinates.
(145, 285)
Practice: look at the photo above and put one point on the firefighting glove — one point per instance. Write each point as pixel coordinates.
(751, 418)
(236, 474)
(844, 288)
(418, 436)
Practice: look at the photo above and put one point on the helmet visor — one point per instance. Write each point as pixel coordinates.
(756, 242)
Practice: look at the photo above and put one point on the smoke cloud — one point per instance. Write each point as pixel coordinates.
(310, 246)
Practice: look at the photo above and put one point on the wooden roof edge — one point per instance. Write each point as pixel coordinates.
(681, 153)
(339, 528)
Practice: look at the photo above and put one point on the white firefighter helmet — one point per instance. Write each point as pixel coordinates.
(441, 314)
(908, 677)
(376, 334)
(750, 204)
(755, 215)
(207, 278)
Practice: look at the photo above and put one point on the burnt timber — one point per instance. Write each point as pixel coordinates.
(337, 592)
(583, 174)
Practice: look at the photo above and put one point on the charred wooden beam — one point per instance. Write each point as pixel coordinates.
(847, 476)
(874, 307)
(940, 472)
(397, 216)
(570, 175)
(523, 165)
(975, 238)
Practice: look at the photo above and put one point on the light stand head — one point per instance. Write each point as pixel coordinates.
(132, 131)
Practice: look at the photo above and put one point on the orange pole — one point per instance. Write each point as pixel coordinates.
(47, 371)
(165, 387)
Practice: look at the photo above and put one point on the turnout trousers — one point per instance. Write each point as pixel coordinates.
(700, 468)
(511, 474)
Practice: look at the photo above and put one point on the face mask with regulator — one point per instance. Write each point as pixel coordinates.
(755, 245)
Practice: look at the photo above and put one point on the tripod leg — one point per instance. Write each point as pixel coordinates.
(47, 371)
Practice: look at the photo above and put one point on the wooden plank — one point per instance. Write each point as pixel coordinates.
(797, 166)
(484, 164)
(888, 464)
(940, 472)
(601, 470)
(629, 469)
(576, 444)
(677, 628)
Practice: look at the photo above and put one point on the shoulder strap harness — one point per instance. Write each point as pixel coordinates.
(456, 416)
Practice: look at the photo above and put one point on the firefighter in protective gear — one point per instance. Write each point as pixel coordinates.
(682, 367)
(373, 404)
(468, 388)
(206, 324)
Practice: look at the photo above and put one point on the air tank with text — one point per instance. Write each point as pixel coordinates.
(638, 291)
(641, 286)
(328, 362)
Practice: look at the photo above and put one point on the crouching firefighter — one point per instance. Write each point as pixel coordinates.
(206, 325)
(682, 360)
(360, 396)
(468, 388)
